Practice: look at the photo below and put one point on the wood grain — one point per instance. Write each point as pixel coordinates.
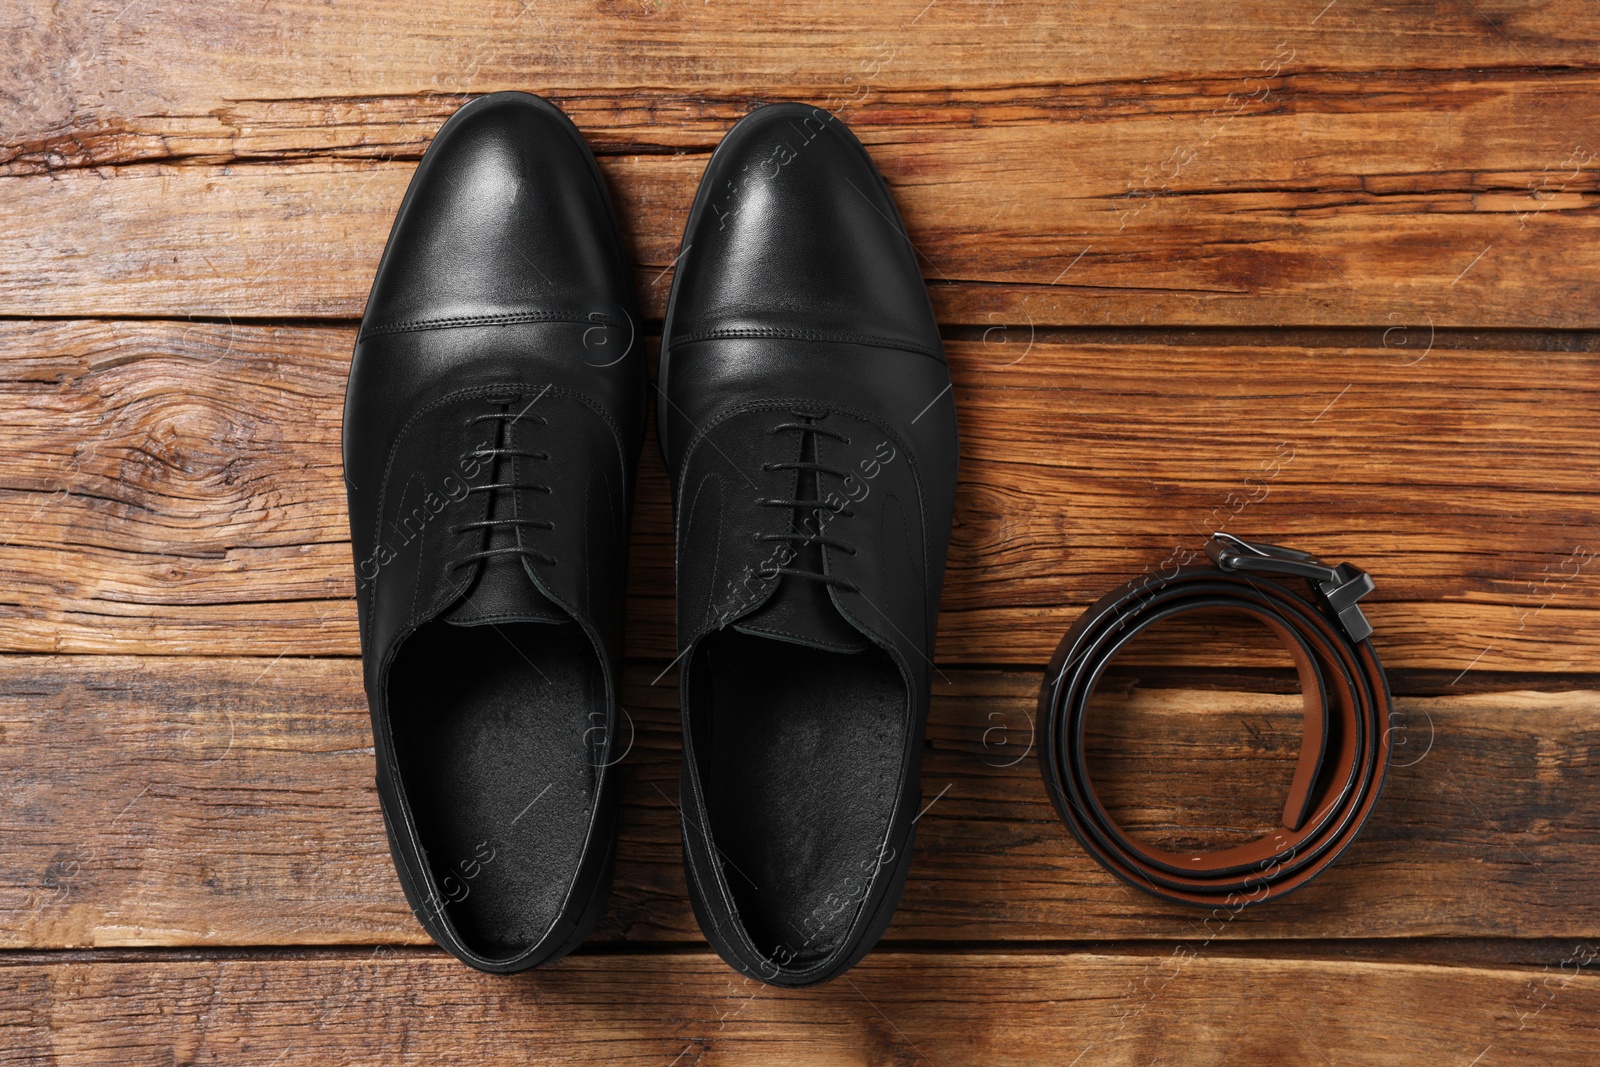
(895, 1008)
(174, 488)
(275, 129)
(1119, 209)
(1404, 197)
(89, 61)
(173, 802)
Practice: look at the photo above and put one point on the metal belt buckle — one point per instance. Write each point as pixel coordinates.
(1339, 587)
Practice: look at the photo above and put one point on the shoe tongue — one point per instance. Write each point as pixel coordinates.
(503, 592)
(802, 613)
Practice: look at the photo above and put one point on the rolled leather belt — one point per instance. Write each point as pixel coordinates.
(1344, 748)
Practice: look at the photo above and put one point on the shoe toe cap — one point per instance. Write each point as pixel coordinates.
(506, 217)
(796, 235)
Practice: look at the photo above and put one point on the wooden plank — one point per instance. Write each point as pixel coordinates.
(173, 802)
(662, 120)
(87, 63)
(174, 487)
(1434, 197)
(1100, 1008)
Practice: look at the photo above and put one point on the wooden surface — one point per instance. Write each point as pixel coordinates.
(1324, 274)
(896, 1008)
(220, 802)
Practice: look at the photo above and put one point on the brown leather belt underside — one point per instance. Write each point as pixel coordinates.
(1344, 747)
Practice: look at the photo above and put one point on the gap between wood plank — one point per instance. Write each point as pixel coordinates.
(1371, 337)
(1404, 682)
(1488, 952)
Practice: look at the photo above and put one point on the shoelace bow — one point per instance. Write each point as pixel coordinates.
(819, 507)
(506, 419)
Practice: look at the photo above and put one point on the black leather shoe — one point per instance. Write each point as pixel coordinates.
(810, 434)
(491, 431)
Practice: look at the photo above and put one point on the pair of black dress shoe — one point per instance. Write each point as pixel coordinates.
(493, 422)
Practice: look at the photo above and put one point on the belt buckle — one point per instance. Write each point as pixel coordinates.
(1339, 587)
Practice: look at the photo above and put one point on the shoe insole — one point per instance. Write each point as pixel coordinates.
(496, 731)
(806, 750)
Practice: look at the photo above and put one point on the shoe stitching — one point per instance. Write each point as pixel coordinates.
(778, 333)
(504, 318)
(422, 554)
(588, 565)
(505, 616)
(716, 556)
(830, 645)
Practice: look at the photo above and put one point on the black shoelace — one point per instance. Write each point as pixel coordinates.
(505, 419)
(810, 478)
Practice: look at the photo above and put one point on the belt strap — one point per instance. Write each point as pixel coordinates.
(1344, 749)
